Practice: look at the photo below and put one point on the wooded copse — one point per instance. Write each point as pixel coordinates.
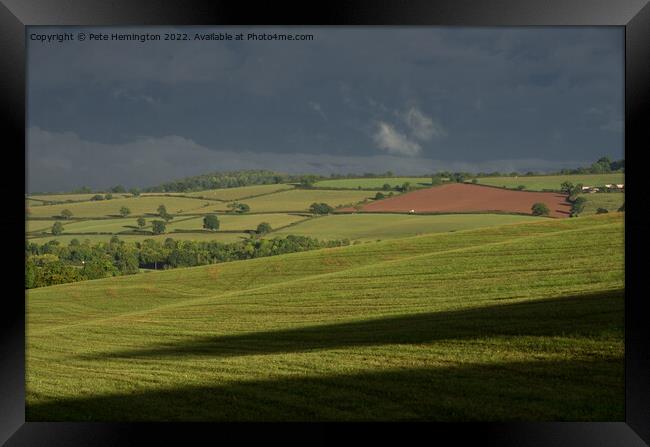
(53, 263)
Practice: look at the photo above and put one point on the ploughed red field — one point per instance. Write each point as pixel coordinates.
(464, 197)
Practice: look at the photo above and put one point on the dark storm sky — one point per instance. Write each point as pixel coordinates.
(369, 99)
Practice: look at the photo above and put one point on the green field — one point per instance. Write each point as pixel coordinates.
(421, 328)
(93, 238)
(101, 225)
(229, 194)
(300, 199)
(240, 222)
(137, 205)
(72, 197)
(31, 202)
(539, 183)
(610, 201)
(390, 226)
(374, 183)
(38, 225)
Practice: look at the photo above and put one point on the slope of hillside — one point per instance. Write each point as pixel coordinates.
(362, 226)
(426, 327)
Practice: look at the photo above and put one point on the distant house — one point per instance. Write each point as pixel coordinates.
(591, 190)
(586, 188)
(620, 186)
(412, 211)
(610, 186)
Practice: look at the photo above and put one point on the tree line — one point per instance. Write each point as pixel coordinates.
(54, 263)
(233, 179)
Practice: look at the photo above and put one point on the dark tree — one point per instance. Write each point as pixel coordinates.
(66, 214)
(141, 222)
(124, 211)
(566, 187)
(264, 228)
(604, 164)
(211, 222)
(320, 208)
(540, 209)
(158, 226)
(57, 228)
(578, 206)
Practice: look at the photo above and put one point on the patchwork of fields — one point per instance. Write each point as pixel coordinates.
(243, 222)
(139, 206)
(298, 200)
(419, 328)
(285, 208)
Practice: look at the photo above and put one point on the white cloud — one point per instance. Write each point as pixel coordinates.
(422, 127)
(394, 142)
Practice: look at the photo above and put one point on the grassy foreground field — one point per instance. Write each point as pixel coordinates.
(421, 328)
(539, 183)
(391, 226)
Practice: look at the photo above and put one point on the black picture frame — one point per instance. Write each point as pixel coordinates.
(633, 15)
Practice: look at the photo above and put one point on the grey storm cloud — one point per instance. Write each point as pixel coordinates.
(62, 161)
(351, 100)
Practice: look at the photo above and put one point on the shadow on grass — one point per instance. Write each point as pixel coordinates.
(582, 315)
(533, 390)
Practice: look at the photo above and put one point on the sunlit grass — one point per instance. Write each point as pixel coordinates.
(520, 322)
